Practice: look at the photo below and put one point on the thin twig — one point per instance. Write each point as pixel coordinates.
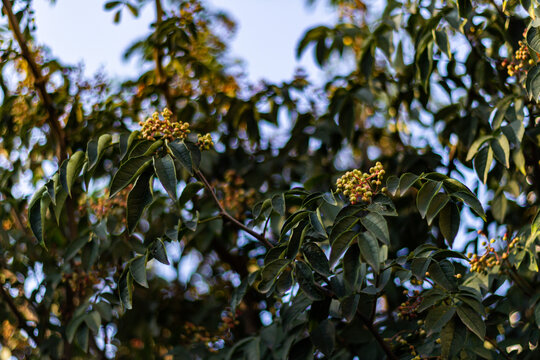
(501, 351)
(39, 82)
(223, 212)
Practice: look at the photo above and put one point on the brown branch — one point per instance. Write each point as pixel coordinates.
(223, 212)
(39, 82)
(161, 79)
(501, 351)
(20, 318)
(384, 345)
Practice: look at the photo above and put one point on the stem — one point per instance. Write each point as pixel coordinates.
(39, 82)
(20, 318)
(501, 351)
(223, 212)
(209, 219)
(384, 345)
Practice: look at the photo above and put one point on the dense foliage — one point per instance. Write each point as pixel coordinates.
(186, 214)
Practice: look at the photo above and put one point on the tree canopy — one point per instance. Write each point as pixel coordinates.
(389, 213)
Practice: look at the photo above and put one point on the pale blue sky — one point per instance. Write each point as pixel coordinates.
(268, 31)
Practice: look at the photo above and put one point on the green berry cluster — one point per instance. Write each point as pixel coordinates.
(361, 186)
(204, 142)
(154, 127)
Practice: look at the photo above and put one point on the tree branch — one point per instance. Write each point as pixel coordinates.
(223, 212)
(39, 82)
(384, 345)
(20, 318)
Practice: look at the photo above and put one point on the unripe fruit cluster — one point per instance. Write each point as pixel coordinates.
(236, 199)
(103, 206)
(408, 309)
(361, 186)
(520, 61)
(204, 142)
(491, 257)
(154, 127)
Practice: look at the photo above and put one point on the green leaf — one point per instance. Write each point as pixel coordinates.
(472, 320)
(340, 245)
(482, 163)
(392, 185)
(278, 204)
(438, 317)
(351, 268)
(270, 273)
(323, 337)
(535, 226)
(501, 150)
(447, 336)
(293, 220)
(127, 172)
(138, 199)
(471, 200)
(419, 266)
(93, 320)
(537, 314)
(376, 224)
(441, 38)
(316, 258)
(341, 226)
(182, 153)
(426, 194)
(449, 220)
(166, 173)
(473, 149)
(34, 215)
(499, 204)
(103, 142)
(295, 240)
(437, 204)
(305, 279)
(532, 83)
(72, 326)
(533, 39)
(125, 289)
(189, 192)
(158, 252)
(464, 8)
(369, 248)
(405, 182)
(442, 275)
(73, 169)
(137, 268)
(500, 112)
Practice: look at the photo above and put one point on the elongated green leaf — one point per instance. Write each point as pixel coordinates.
(137, 269)
(472, 320)
(369, 248)
(500, 112)
(532, 83)
(270, 273)
(278, 204)
(447, 336)
(340, 245)
(419, 266)
(295, 241)
(501, 150)
(438, 317)
(293, 220)
(533, 38)
(442, 275)
(125, 289)
(128, 172)
(436, 205)
(93, 320)
(72, 327)
(166, 174)
(392, 184)
(305, 279)
(34, 214)
(482, 163)
(425, 195)
(158, 251)
(472, 201)
(138, 199)
(73, 169)
(100, 145)
(316, 258)
(323, 337)
(475, 146)
(405, 182)
(189, 192)
(342, 226)
(181, 152)
(376, 224)
(351, 268)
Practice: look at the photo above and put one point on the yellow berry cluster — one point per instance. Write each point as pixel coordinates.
(154, 127)
(204, 142)
(520, 61)
(408, 309)
(236, 199)
(361, 186)
(401, 343)
(491, 257)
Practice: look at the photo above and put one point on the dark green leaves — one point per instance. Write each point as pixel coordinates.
(305, 279)
(166, 174)
(158, 252)
(532, 83)
(186, 153)
(438, 317)
(472, 320)
(340, 245)
(73, 169)
(189, 192)
(137, 269)
(426, 194)
(34, 215)
(376, 224)
(128, 172)
(369, 248)
(139, 197)
(323, 337)
(533, 39)
(449, 220)
(316, 258)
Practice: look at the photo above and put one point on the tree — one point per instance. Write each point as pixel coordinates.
(397, 218)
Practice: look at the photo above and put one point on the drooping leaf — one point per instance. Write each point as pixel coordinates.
(472, 320)
(125, 289)
(189, 192)
(501, 150)
(316, 258)
(376, 224)
(369, 248)
(425, 195)
(340, 246)
(158, 251)
(270, 273)
(437, 204)
(323, 337)
(181, 152)
(305, 279)
(138, 199)
(482, 163)
(137, 269)
(166, 173)
(438, 317)
(73, 169)
(278, 204)
(127, 172)
(449, 220)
